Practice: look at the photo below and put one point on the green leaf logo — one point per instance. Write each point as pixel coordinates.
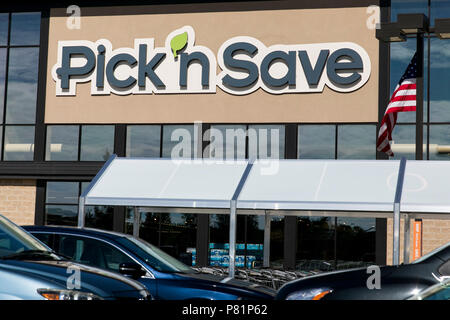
(178, 42)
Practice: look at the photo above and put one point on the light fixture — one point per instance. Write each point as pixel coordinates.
(442, 28)
(412, 23)
(390, 32)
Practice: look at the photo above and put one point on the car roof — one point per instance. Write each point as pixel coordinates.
(81, 231)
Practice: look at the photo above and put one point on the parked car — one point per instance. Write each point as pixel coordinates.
(396, 282)
(440, 291)
(164, 276)
(30, 270)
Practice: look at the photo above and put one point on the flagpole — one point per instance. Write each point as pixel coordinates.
(419, 97)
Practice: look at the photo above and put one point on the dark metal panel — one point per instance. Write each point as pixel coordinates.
(202, 240)
(39, 212)
(40, 132)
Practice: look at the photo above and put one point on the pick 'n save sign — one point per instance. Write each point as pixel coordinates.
(181, 66)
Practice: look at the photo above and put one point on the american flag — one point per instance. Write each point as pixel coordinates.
(403, 99)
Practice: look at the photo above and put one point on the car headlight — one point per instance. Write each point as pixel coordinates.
(309, 294)
(57, 294)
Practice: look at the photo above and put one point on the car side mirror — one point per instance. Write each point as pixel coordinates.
(132, 270)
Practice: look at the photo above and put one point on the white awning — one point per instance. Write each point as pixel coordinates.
(359, 188)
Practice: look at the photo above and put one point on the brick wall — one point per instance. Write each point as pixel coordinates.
(17, 200)
(435, 233)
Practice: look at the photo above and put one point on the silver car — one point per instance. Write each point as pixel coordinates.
(29, 270)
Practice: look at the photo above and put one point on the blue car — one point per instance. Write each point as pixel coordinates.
(29, 270)
(165, 277)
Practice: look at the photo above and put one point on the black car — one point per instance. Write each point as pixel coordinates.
(395, 282)
(165, 277)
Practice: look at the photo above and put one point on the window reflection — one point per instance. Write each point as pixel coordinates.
(25, 28)
(22, 85)
(97, 142)
(2, 81)
(62, 143)
(178, 141)
(228, 142)
(404, 142)
(61, 215)
(315, 243)
(401, 55)
(439, 142)
(4, 21)
(143, 141)
(439, 75)
(355, 242)
(316, 141)
(175, 233)
(356, 141)
(99, 217)
(19, 143)
(266, 141)
(62, 192)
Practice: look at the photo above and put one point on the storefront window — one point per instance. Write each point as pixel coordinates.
(439, 77)
(229, 142)
(61, 206)
(276, 242)
(356, 141)
(316, 141)
(440, 142)
(61, 203)
(355, 242)
(25, 28)
(62, 143)
(175, 233)
(62, 192)
(266, 141)
(4, 22)
(2, 81)
(178, 141)
(22, 85)
(19, 143)
(97, 142)
(401, 55)
(315, 243)
(403, 144)
(143, 141)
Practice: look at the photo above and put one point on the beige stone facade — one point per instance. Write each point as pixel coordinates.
(18, 200)
(435, 233)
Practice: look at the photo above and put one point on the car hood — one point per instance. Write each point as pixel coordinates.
(100, 282)
(232, 284)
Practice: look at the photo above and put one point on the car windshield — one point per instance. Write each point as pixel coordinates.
(425, 257)
(153, 256)
(15, 241)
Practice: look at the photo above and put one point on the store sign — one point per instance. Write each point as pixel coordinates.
(181, 66)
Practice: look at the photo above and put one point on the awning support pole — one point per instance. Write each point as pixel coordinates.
(406, 242)
(266, 259)
(81, 213)
(396, 224)
(232, 250)
(233, 220)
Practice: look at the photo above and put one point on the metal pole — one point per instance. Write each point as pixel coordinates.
(81, 213)
(419, 97)
(396, 224)
(232, 250)
(266, 259)
(396, 248)
(406, 242)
